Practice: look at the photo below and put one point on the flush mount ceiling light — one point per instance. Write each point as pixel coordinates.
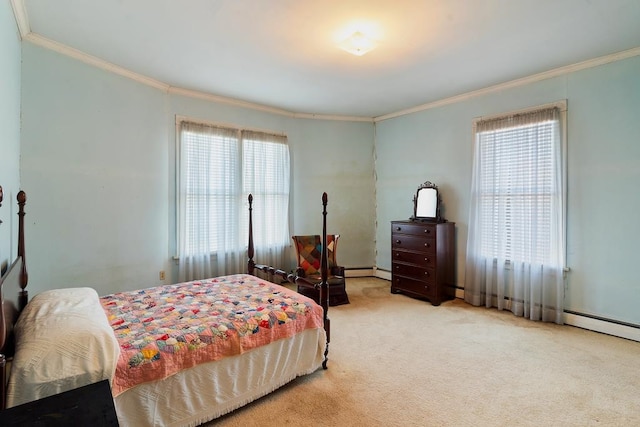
(358, 44)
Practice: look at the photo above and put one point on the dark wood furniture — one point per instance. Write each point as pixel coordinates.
(322, 287)
(309, 253)
(337, 288)
(14, 297)
(423, 259)
(90, 405)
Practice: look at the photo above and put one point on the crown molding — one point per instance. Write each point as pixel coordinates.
(22, 19)
(116, 69)
(229, 101)
(333, 117)
(515, 83)
(92, 60)
(244, 104)
(97, 62)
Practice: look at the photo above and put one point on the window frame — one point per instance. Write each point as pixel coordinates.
(562, 108)
(240, 188)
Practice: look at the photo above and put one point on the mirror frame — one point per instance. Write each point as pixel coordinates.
(436, 217)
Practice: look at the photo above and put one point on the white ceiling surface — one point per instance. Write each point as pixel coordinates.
(283, 53)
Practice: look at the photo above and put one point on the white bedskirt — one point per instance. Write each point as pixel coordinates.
(210, 390)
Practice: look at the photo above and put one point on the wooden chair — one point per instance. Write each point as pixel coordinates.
(309, 249)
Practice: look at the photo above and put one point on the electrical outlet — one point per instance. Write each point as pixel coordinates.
(161, 274)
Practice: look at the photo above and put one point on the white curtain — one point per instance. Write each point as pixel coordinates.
(515, 248)
(218, 167)
(266, 176)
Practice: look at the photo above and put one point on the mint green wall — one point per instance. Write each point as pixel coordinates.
(603, 173)
(9, 131)
(326, 156)
(98, 165)
(604, 200)
(336, 157)
(94, 162)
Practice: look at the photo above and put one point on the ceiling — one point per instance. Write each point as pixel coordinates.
(283, 54)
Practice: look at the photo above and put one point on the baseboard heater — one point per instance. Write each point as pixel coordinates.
(603, 325)
(600, 324)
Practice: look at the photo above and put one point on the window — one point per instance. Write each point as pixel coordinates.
(515, 248)
(217, 168)
(516, 191)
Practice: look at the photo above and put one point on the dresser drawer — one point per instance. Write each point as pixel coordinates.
(415, 229)
(424, 289)
(415, 272)
(414, 243)
(423, 259)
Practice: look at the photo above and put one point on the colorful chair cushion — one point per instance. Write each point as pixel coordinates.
(309, 249)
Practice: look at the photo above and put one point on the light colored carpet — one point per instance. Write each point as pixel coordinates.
(398, 361)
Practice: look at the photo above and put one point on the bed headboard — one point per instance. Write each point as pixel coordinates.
(13, 297)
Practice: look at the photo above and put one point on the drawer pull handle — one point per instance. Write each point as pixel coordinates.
(398, 241)
(428, 245)
(398, 228)
(427, 230)
(426, 259)
(426, 273)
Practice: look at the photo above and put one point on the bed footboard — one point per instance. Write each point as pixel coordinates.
(323, 286)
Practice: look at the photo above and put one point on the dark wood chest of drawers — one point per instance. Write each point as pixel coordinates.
(423, 259)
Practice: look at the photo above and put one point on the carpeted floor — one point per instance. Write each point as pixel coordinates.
(398, 361)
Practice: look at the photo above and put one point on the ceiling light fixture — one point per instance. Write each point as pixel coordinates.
(358, 44)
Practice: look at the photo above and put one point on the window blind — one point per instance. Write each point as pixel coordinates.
(515, 244)
(217, 168)
(517, 189)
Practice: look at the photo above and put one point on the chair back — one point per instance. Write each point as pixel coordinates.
(309, 251)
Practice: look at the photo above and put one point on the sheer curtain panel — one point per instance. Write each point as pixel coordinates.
(266, 176)
(516, 241)
(217, 168)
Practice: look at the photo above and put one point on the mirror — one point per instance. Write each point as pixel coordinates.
(426, 203)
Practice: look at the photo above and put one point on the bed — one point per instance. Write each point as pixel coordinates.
(175, 355)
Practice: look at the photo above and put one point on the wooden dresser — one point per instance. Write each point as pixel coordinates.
(423, 259)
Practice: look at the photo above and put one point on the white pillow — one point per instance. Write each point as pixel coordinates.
(63, 341)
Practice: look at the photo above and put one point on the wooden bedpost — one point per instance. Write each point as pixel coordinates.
(15, 277)
(24, 275)
(324, 274)
(3, 360)
(322, 287)
(251, 265)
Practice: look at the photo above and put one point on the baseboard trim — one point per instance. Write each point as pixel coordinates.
(602, 326)
(382, 274)
(358, 272)
(578, 320)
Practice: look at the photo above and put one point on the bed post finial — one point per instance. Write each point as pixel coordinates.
(24, 275)
(251, 265)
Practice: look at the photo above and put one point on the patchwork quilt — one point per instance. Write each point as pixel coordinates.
(165, 329)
